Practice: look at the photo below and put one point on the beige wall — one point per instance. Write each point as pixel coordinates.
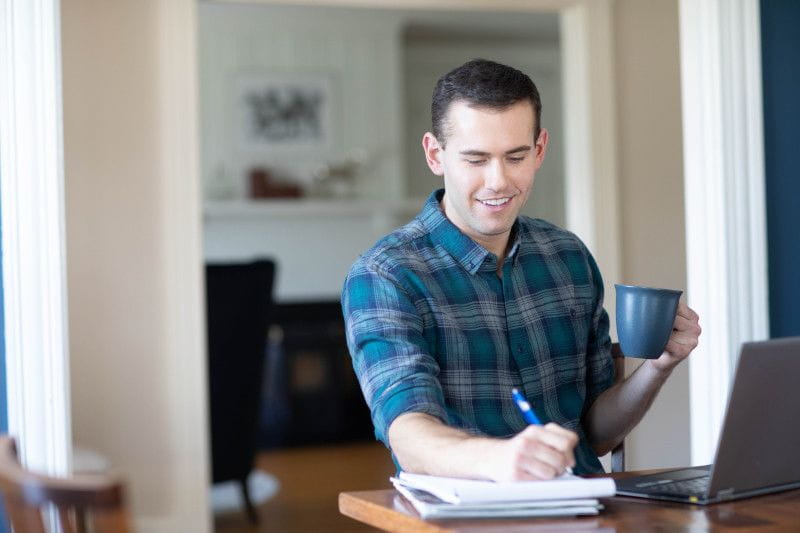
(651, 197)
(129, 402)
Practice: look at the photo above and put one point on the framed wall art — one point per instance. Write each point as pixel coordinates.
(284, 111)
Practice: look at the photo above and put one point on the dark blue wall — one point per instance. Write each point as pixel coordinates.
(3, 395)
(780, 37)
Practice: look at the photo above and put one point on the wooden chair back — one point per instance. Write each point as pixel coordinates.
(618, 453)
(84, 503)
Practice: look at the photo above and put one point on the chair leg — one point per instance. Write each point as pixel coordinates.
(248, 503)
(618, 458)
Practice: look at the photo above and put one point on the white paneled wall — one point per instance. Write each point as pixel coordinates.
(356, 50)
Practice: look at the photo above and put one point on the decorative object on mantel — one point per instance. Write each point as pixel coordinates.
(263, 186)
(338, 180)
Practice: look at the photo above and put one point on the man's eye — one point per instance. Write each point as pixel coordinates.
(517, 159)
(475, 161)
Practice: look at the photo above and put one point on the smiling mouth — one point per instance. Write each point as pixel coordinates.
(494, 202)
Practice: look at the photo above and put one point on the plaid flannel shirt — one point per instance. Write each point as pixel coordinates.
(431, 328)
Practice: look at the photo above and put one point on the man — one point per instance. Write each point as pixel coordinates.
(447, 314)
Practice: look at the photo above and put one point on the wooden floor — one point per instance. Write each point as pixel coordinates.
(311, 480)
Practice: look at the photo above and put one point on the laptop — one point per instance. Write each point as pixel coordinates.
(759, 446)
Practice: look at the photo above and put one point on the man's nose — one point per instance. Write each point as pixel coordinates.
(496, 179)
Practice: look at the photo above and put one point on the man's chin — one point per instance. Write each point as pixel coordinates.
(494, 231)
(496, 226)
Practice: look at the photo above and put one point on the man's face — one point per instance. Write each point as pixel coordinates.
(489, 165)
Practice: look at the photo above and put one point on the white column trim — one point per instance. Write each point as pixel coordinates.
(724, 194)
(184, 295)
(590, 135)
(34, 265)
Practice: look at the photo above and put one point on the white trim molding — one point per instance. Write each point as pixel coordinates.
(724, 194)
(34, 266)
(590, 135)
(185, 300)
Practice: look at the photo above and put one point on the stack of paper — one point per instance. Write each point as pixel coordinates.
(444, 497)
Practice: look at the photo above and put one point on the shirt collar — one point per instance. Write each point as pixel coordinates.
(464, 250)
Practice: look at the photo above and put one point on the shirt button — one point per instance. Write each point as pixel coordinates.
(520, 349)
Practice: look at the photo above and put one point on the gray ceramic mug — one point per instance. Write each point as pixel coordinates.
(645, 316)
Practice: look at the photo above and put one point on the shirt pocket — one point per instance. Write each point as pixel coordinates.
(568, 334)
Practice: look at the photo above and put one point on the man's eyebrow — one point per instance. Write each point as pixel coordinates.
(523, 148)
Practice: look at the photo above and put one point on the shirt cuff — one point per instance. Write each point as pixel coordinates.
(419, 397)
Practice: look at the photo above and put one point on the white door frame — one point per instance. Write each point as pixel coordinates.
(590, 136)
(724, 194)
(180, 208)
(34, 265)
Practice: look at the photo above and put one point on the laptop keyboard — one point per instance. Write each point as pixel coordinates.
(697, 486)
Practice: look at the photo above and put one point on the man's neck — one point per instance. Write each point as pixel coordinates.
(496, 244)
(500, 261)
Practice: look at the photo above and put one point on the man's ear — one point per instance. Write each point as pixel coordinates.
(433, 153)
(541, 147)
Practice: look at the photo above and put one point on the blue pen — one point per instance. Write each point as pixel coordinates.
(525, 408)
(527, 412)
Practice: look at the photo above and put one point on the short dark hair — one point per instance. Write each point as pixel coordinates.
(482, 83)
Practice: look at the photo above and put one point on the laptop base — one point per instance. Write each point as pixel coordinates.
(647, 487)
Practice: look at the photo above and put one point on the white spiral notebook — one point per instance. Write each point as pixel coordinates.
(445, 497)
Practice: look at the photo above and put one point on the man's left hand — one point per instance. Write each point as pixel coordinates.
(685, 334)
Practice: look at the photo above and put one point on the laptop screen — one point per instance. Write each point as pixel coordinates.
(759, 444)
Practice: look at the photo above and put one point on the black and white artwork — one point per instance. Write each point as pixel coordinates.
(284, 112)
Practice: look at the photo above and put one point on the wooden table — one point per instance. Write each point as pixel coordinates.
(388, 510)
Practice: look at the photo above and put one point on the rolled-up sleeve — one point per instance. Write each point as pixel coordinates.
(391, 356)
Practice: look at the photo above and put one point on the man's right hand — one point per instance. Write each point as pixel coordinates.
(537, 452)
(423, 444)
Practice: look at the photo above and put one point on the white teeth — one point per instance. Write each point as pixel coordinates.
(497, 201)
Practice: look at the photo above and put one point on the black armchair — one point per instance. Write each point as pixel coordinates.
(238, 299)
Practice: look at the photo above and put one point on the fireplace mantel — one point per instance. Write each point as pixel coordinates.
(313, 241)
